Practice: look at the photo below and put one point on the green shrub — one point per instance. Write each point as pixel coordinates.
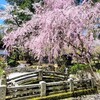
(12, 59)
(76, 67)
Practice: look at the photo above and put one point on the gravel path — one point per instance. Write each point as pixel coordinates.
(86, 97)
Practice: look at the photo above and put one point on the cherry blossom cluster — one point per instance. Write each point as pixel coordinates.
(56, 26)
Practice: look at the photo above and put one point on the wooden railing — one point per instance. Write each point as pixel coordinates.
(39, 75)
(24, 77)
(43, 88)
(23, 92)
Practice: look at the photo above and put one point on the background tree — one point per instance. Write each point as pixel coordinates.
(24, 4)
(22, 11)
(14, 14)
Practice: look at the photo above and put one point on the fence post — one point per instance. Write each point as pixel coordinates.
(92, 82)
(40, 75)
(71, 84)
(2, 92)
(42, 88)
(3, 82)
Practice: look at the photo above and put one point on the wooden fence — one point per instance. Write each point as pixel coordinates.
(37, 75)
(43, 88)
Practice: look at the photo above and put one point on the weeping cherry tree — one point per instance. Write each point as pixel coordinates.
(56, 26)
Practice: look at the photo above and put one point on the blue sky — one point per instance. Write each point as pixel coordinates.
(2, 2)
(1, 21)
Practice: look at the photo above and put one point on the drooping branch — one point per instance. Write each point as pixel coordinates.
(58, 24)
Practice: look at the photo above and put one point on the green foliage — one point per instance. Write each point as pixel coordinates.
(20, 55)
(77, 67)
(2, 63)
(21, 16)
(12, 59)
(98, 71)
(24, 3)
(2, 66)
(97, 66)
(96, 0)
(61, 65)
(64, 60)
(1, 71)
(12, 62)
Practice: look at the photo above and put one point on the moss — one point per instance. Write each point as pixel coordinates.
(1, 72)
(66, 95)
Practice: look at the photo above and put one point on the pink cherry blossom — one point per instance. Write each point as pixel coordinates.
(54, 27)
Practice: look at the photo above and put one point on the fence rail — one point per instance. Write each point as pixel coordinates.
(39, 75)
(23, 91)
(42, 88)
